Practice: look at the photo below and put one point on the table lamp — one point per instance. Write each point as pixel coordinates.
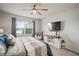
(1, 31)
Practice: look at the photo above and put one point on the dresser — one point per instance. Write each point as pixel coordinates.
(55, 41)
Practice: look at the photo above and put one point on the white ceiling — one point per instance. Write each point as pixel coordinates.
(53, 8)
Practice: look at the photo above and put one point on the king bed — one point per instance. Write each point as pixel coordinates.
(28, 46)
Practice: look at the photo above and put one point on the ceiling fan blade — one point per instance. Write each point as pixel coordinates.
(43, 9)
(39, 13)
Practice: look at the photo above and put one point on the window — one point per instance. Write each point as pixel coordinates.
(23, 28)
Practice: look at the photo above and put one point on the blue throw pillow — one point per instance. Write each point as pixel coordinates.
(5, 36)
(4, 39)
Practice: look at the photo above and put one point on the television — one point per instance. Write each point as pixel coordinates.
(54, 26)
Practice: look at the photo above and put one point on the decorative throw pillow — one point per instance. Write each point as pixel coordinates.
(3, 44)
(5, 36)
(11, 40)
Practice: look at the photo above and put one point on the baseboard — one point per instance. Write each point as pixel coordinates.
(71, 51)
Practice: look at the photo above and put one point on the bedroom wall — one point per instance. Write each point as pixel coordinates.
(6, 22)
(70, 23)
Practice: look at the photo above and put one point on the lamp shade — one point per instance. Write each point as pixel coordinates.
(1, 30)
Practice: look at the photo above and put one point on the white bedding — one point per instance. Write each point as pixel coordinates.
(27, 46)
(34, 47)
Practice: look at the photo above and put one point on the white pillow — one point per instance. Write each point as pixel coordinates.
(11, 40)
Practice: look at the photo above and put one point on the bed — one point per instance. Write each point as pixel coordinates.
(28, 46)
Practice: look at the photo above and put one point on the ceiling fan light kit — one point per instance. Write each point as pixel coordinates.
(34, 11)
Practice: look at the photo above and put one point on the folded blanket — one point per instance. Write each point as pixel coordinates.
(49, 52)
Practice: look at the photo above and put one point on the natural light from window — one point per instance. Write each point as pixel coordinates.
(23, 28)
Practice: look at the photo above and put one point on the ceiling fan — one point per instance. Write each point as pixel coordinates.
(36, 9)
